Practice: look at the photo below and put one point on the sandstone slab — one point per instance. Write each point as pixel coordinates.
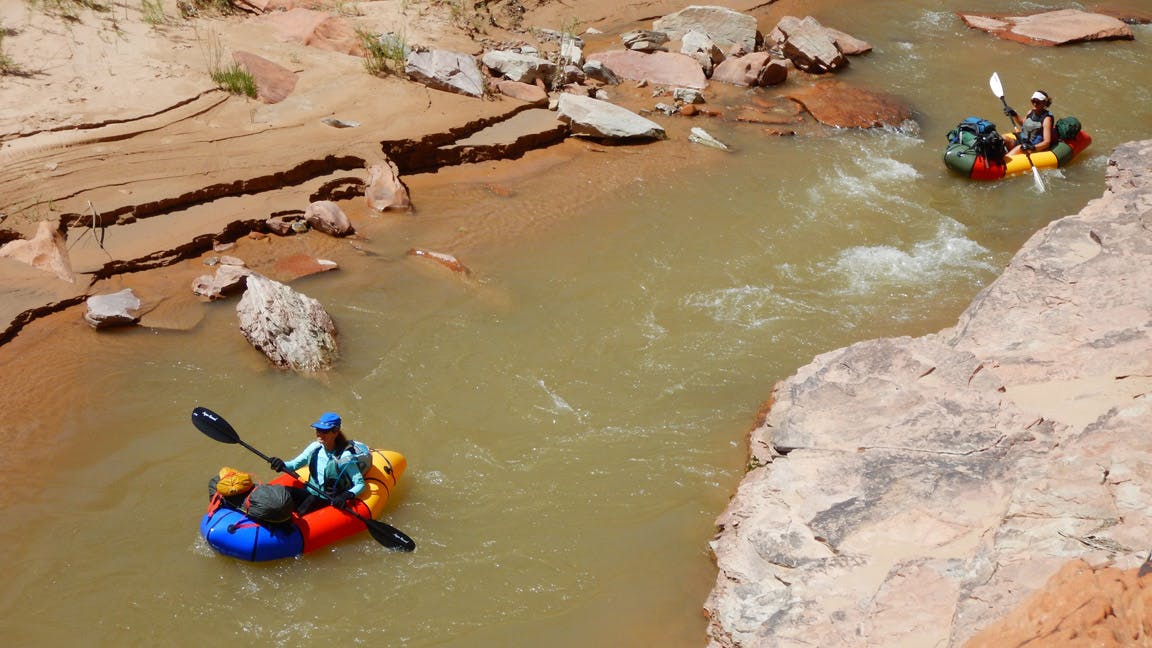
(911, 491)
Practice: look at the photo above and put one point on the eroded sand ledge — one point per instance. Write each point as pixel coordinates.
(911, 491)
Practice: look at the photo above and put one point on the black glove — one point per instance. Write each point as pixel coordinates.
(1027, 146)
(1008, 112)
(340, 500)
(277, 464)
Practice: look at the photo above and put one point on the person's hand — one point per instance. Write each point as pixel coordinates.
(340, 500)
(277, 464)
(1008, 112)
(1027, 146)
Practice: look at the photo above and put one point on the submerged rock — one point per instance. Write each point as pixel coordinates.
(837, 104)
(700, 136)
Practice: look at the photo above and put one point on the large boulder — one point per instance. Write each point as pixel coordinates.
(516, 66)
(755, 69)
(291, 329)
(602, 120)
(726, 28)
(847, 44)
(809, 46)
(444, 70)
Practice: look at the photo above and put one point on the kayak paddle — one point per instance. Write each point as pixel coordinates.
(998, 90)
(214, 426)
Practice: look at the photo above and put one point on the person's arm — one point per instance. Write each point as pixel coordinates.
(1046, 143)
(302, 459)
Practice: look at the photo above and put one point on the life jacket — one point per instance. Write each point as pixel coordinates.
(1033, 129)
(335, 477)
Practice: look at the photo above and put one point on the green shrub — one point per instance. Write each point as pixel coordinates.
(67, 9)
(7, 64)
(234, 79)
(383, 53)
(152, 12)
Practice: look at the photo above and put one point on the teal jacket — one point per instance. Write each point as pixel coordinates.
(342, 468)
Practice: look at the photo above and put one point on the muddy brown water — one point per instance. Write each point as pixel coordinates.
(574, 413)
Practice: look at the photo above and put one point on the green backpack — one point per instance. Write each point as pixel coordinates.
(1067, 128)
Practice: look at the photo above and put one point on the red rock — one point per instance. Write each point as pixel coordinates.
(665, 68)
(273, 82)
(316, 29)
(532, 94)
(446, 260)
(301, 265)
(1080, 607)
(837, 104)
(44, 251)
(1059, 27)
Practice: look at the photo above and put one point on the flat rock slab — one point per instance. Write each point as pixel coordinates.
(664, 68)
(1060, 27)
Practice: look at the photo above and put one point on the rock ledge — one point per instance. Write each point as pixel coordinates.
(911, 491)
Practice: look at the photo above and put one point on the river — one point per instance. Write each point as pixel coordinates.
(574, 413)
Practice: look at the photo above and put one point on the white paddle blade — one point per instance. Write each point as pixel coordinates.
(1036, 180)
(994, 83)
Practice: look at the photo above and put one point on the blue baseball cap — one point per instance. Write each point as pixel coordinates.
(327, 421)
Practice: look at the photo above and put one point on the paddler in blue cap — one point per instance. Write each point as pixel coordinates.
(334, 467)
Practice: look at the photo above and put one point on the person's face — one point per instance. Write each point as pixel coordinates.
(327, 437)
(1037, 103)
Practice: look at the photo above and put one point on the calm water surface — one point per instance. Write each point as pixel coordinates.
(574, 415)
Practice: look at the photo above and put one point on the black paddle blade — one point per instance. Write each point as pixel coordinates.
(384, 533)
(388, 535)
(214, 425)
